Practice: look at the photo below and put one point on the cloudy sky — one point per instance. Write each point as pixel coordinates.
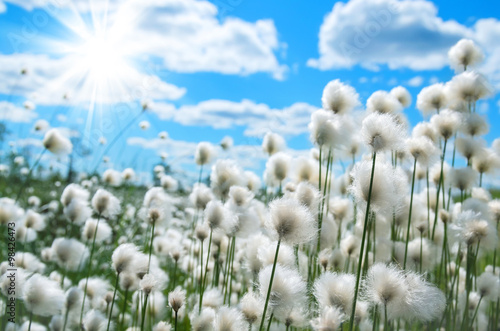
(208, 69)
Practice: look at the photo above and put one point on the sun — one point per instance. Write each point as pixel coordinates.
(101, 58)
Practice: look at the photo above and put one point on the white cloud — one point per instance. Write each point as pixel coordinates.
(257, 118)
(416, 81)
(12, 113)
(186, 34)
(48, 80)
(376, 32)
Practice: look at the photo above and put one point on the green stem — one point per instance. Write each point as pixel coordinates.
(358, 271)
(270, 286)
(144, 310)
(113, 302)
(89, 268)
(438, 190)
(409, 213)
(151, 244)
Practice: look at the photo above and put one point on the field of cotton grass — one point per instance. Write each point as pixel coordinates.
(403, 237)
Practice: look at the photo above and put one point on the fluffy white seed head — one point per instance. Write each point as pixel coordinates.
(446, 123)
(43, 296)
(204, 153)
(70, 254)
(423, 149)
(112, 177)
(469, 87)
(225, 173)
(474, 125)
(291, 222)
(383, 103)
(385, 287)
(402, 95)
(123, 258)
(55, 142)
(339, 97)
(287, 290)
(432, 99)
(464, 53)
(251, 307)
(335, 290)
(273, 143)
(105, 204)
(382, 132)
(229, 319)
(177, 298)
(278, 166)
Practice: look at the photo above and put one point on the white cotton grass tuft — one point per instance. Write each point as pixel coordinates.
(326, 129)
(200, 196)
(94, 320)
(251, 307)
(335, 290)
(217, 216)
(402, 95)
(425, 129)
(488, 286)
(382, 132)
(291, 222)
(240, 196)
(77, 211)
(330, 318)
(471, 229)
(308, 195)
(465, 53)
(273, 143)
(339, 97)
(229, 319)
(73, 192)
(432, 99)
(169, 183)
(225, 173)
(385, 287)
(446, 123)
(486, 161)
(305, 170)
(204, 154)
(469, 87)
(69, 254)
(288, 288)
(204, 321)
(128, 175)
(423, 150)
(43, 296)
(424, 302)
(144, 125)
(41, 126)
(112, 177)
(469, 147)
(105, 204)
(226, 143)
(463, 178)
(384, 103)
(123, 258)
(474, 125)
(277, 167)
(383, 195)
(177, 299)
(89, 230)
(56, 143)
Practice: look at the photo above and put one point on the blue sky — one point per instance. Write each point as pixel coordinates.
(228, 67)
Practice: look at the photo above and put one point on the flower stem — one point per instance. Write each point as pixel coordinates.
(409, 213)
(358, 271)
(89, 268)
(113, 301)
(270, 285)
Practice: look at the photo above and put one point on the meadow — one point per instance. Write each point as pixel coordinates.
(382, 227)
